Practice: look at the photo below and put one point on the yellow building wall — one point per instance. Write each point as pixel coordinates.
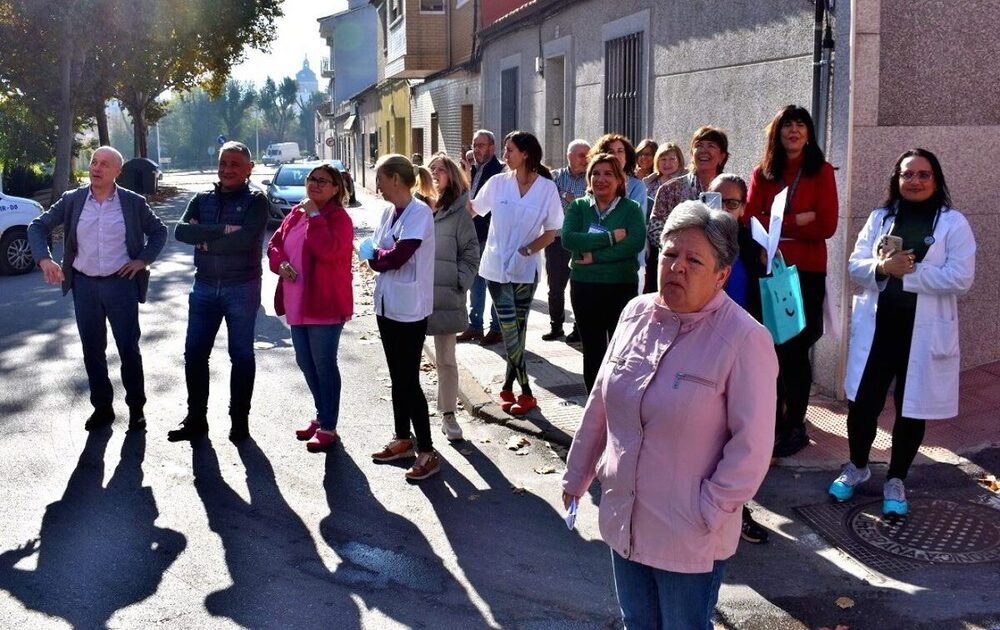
(394, 119)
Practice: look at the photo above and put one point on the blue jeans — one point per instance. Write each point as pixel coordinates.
(208, 305)
(477, 304)
(654, 599)
(98, 302)
(316, 353)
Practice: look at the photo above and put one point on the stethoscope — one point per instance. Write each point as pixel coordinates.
(928, 240)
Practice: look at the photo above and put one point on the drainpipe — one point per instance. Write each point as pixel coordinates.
(826, 74)
(817, 71)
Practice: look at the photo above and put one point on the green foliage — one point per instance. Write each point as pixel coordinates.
(26, 134)
(25, 180)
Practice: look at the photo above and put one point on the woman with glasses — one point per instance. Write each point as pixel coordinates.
(913, 259)
(795, 163)
(742, 286)
(644, 158)
(311, 253)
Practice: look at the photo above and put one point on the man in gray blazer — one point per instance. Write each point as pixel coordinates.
(111, 237)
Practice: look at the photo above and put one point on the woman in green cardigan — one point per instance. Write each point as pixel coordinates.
(604, 231)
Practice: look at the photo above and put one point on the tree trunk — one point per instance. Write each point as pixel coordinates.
(64, 122)
(140, 128)
(103, 135)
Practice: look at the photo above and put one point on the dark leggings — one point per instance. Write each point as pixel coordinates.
(794, 367)
(887, 359)
(513, 303)
(597, 307)
(403, 343)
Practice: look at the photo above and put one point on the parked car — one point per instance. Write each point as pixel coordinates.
(348, 180)
(286, 188)
(15, 215)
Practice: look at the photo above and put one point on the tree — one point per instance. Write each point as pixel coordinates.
(287, 97)
(236, 101)
(177, 44)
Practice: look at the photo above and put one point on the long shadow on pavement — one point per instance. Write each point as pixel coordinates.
(386, 556)
(279, 579)
(98, 550)
(516, 552)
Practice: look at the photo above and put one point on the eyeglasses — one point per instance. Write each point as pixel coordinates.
(319, 182)
(920, 176)
(645, 154)
(732, 204)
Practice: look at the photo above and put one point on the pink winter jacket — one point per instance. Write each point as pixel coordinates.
(679, 429)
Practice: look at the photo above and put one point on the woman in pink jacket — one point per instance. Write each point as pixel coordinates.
(678, 428)
(311, 253)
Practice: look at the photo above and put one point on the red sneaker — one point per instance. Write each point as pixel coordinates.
(308, 432)
(507, 400)
(322, 441)
(523, 405)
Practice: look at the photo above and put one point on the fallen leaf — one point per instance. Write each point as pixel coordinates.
(990, 481)
(545, 470)
(485, 440)
(517, 441)
(385, 398)
(844, 602)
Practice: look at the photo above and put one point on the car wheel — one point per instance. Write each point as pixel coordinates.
(15, 253)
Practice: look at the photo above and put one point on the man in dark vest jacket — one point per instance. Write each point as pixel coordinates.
(226, 226)
(487, 165)
(111, 238)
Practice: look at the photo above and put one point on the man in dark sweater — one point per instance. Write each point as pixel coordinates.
(226, 226)
(487, 165)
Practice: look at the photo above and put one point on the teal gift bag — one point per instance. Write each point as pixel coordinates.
(781, 302)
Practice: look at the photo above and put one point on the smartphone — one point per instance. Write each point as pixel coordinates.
(711, 199)
(891, 244)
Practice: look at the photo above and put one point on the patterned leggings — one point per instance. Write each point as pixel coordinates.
(513, 301)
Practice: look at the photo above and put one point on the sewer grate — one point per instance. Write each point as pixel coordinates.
(936, 531)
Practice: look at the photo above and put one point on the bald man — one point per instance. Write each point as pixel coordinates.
(111, 237)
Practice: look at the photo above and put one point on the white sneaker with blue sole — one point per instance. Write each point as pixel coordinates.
(894, 498)
(842, 488)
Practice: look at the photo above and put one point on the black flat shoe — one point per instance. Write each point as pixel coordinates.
(191, 429)
(752, 531)
(790, 443)
(100, 418)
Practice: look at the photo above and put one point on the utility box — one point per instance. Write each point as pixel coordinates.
(140, 175)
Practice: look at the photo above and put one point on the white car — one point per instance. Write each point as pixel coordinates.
(15, 215)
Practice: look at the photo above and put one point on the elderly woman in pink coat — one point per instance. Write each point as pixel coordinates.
(679, 428)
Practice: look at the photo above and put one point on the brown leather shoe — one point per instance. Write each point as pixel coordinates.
(431, 466)
(394, 450)
(470, 334)
(492, 337)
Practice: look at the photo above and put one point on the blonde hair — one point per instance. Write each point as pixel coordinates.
(668, 147)
(424, 185)
(458, 182)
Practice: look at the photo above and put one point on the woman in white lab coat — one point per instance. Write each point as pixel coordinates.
(913, 258)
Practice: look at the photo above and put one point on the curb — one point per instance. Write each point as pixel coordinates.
(480, 405)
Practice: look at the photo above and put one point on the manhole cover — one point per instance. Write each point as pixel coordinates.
(936, 530)
(940, 531)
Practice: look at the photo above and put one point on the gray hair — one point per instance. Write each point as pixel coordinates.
(576, 144)
(487, 133)
(719, 228)
(236, 147)
(113, 151)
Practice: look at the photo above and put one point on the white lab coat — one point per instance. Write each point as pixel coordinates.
(407, 294)
(946, 272)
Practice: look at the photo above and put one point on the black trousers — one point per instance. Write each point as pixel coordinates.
(794, 368)
(652, 283)
(557, 276)
(887, 360)
(403, 343)
(597, 307)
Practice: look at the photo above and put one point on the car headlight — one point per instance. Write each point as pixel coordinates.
(278, 201)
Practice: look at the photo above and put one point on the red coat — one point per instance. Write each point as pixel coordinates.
(329, 246)
(806, 245)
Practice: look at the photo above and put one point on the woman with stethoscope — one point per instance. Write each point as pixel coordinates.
(913, 258)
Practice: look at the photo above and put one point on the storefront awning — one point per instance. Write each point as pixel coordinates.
(349, 125)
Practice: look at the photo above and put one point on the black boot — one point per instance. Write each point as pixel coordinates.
(790, 442)
(191, 429)
(752, 531)
(240, 430)
(554, 334)
(136, 419)
(100, 418)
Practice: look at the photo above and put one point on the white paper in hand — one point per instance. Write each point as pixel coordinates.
(571, 514)
(768, 238)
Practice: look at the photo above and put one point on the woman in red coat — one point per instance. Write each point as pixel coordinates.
(793, 160)
(311, 253)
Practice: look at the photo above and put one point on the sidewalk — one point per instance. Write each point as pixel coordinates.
(555, 369)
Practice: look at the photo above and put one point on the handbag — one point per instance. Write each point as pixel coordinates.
(781, 302)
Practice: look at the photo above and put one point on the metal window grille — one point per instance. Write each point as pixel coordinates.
(623, 86)
(508, 101)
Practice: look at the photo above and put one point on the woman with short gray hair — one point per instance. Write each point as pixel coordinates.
(690, 376)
